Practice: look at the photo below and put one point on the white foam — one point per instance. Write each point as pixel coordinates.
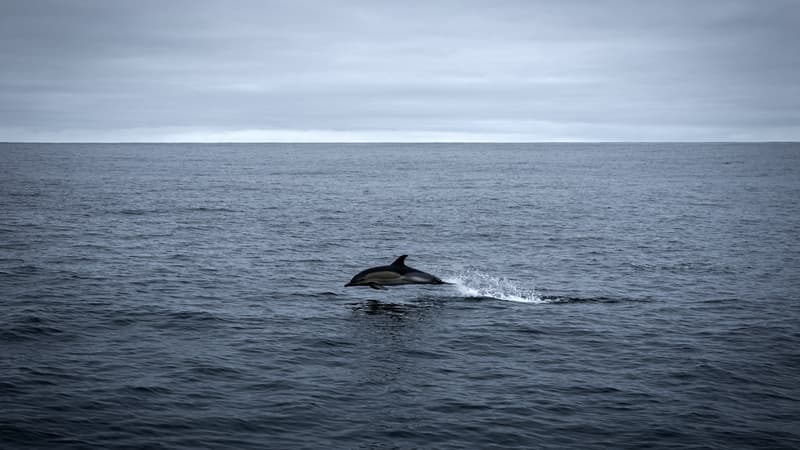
(475, 284)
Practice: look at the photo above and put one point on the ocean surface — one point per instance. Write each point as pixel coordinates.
(604, 296)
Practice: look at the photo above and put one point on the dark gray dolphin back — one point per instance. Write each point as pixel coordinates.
(399, 266)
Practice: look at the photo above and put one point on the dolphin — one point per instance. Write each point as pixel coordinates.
(394, 274)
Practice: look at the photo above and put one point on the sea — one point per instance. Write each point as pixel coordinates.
(602, 296)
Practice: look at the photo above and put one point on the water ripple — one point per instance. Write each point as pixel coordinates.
(604, 296)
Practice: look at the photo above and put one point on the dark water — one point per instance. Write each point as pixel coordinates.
(606, 296)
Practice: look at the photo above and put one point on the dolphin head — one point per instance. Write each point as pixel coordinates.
(357, 280)
(374, 278)
(378, 277)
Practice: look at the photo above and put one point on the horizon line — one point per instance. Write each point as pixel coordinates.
(416, 142)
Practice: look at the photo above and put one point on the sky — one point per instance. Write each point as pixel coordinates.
(399, 71)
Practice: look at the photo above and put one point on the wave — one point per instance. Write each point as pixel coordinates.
(157, 211)
(29, 328)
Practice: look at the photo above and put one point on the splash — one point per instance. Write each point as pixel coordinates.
(475, 284)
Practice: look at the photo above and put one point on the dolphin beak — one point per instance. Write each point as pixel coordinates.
(348, 285)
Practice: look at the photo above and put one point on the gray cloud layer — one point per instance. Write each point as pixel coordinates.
(401, 71)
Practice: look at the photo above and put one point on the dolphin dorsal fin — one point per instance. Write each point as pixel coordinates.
(400, 262)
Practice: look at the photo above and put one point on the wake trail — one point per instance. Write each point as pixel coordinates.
(476, 284)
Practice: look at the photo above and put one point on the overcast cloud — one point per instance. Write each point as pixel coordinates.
(399, 71)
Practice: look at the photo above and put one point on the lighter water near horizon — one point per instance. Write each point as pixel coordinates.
(604, 296)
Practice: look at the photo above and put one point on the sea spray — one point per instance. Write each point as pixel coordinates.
(473, 283)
